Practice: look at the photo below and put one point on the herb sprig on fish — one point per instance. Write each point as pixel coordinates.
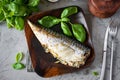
(77, 30)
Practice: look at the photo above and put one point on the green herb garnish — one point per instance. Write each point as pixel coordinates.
(49, 21)
(78, 31)
(95, 73)
(66, 29)
(18, 65)
(19, 57)
(14, 12)
(69, 11)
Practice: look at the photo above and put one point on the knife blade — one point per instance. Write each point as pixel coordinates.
(104, 54)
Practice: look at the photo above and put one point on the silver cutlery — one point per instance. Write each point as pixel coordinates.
(112, 32)
(104, 54)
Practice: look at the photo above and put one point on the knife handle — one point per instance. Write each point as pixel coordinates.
(103, 66)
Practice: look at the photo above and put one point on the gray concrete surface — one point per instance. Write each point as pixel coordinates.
(13, 41)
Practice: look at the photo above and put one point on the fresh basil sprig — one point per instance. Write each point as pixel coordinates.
(14, 12)
(18, 65)
(78, 31)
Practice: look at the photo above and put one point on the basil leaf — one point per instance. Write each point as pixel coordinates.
(1, 4)
(19, 23)
(65, 29)
(2, 17)
(33, 3)
(18, 11)
(79, 32)
(65, 19)
(10, 22)
(19, 57)
(23, 11)
(8, 13)
(18, 66)
(69, 11)
(49, 21)
(13, 7)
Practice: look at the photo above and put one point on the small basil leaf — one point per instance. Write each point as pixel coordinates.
(19, 23)
(22, 12)
(65, 29)
(8, 13)
(69, 11)
(33, 3)
(13, 7)
(49, 21)
(2, 17)
(10, 22)
(79, 32)
(18, 66)
(9, 25)
(18, 11)
(65, 19)
(19, 57)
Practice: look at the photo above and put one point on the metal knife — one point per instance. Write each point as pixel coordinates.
(104, 54)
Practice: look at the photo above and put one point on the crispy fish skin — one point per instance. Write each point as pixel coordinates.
(66, 50)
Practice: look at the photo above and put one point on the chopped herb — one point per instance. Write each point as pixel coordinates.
(95, 73)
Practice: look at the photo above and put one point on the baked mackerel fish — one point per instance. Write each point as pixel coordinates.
(67, 51)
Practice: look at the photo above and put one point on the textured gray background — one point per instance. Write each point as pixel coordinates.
(13, 41)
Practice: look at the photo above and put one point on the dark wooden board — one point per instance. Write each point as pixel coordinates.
(44, 63)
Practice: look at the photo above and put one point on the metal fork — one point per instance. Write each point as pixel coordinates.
(112, 31)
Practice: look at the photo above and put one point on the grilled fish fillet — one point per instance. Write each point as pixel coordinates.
(66, 50)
